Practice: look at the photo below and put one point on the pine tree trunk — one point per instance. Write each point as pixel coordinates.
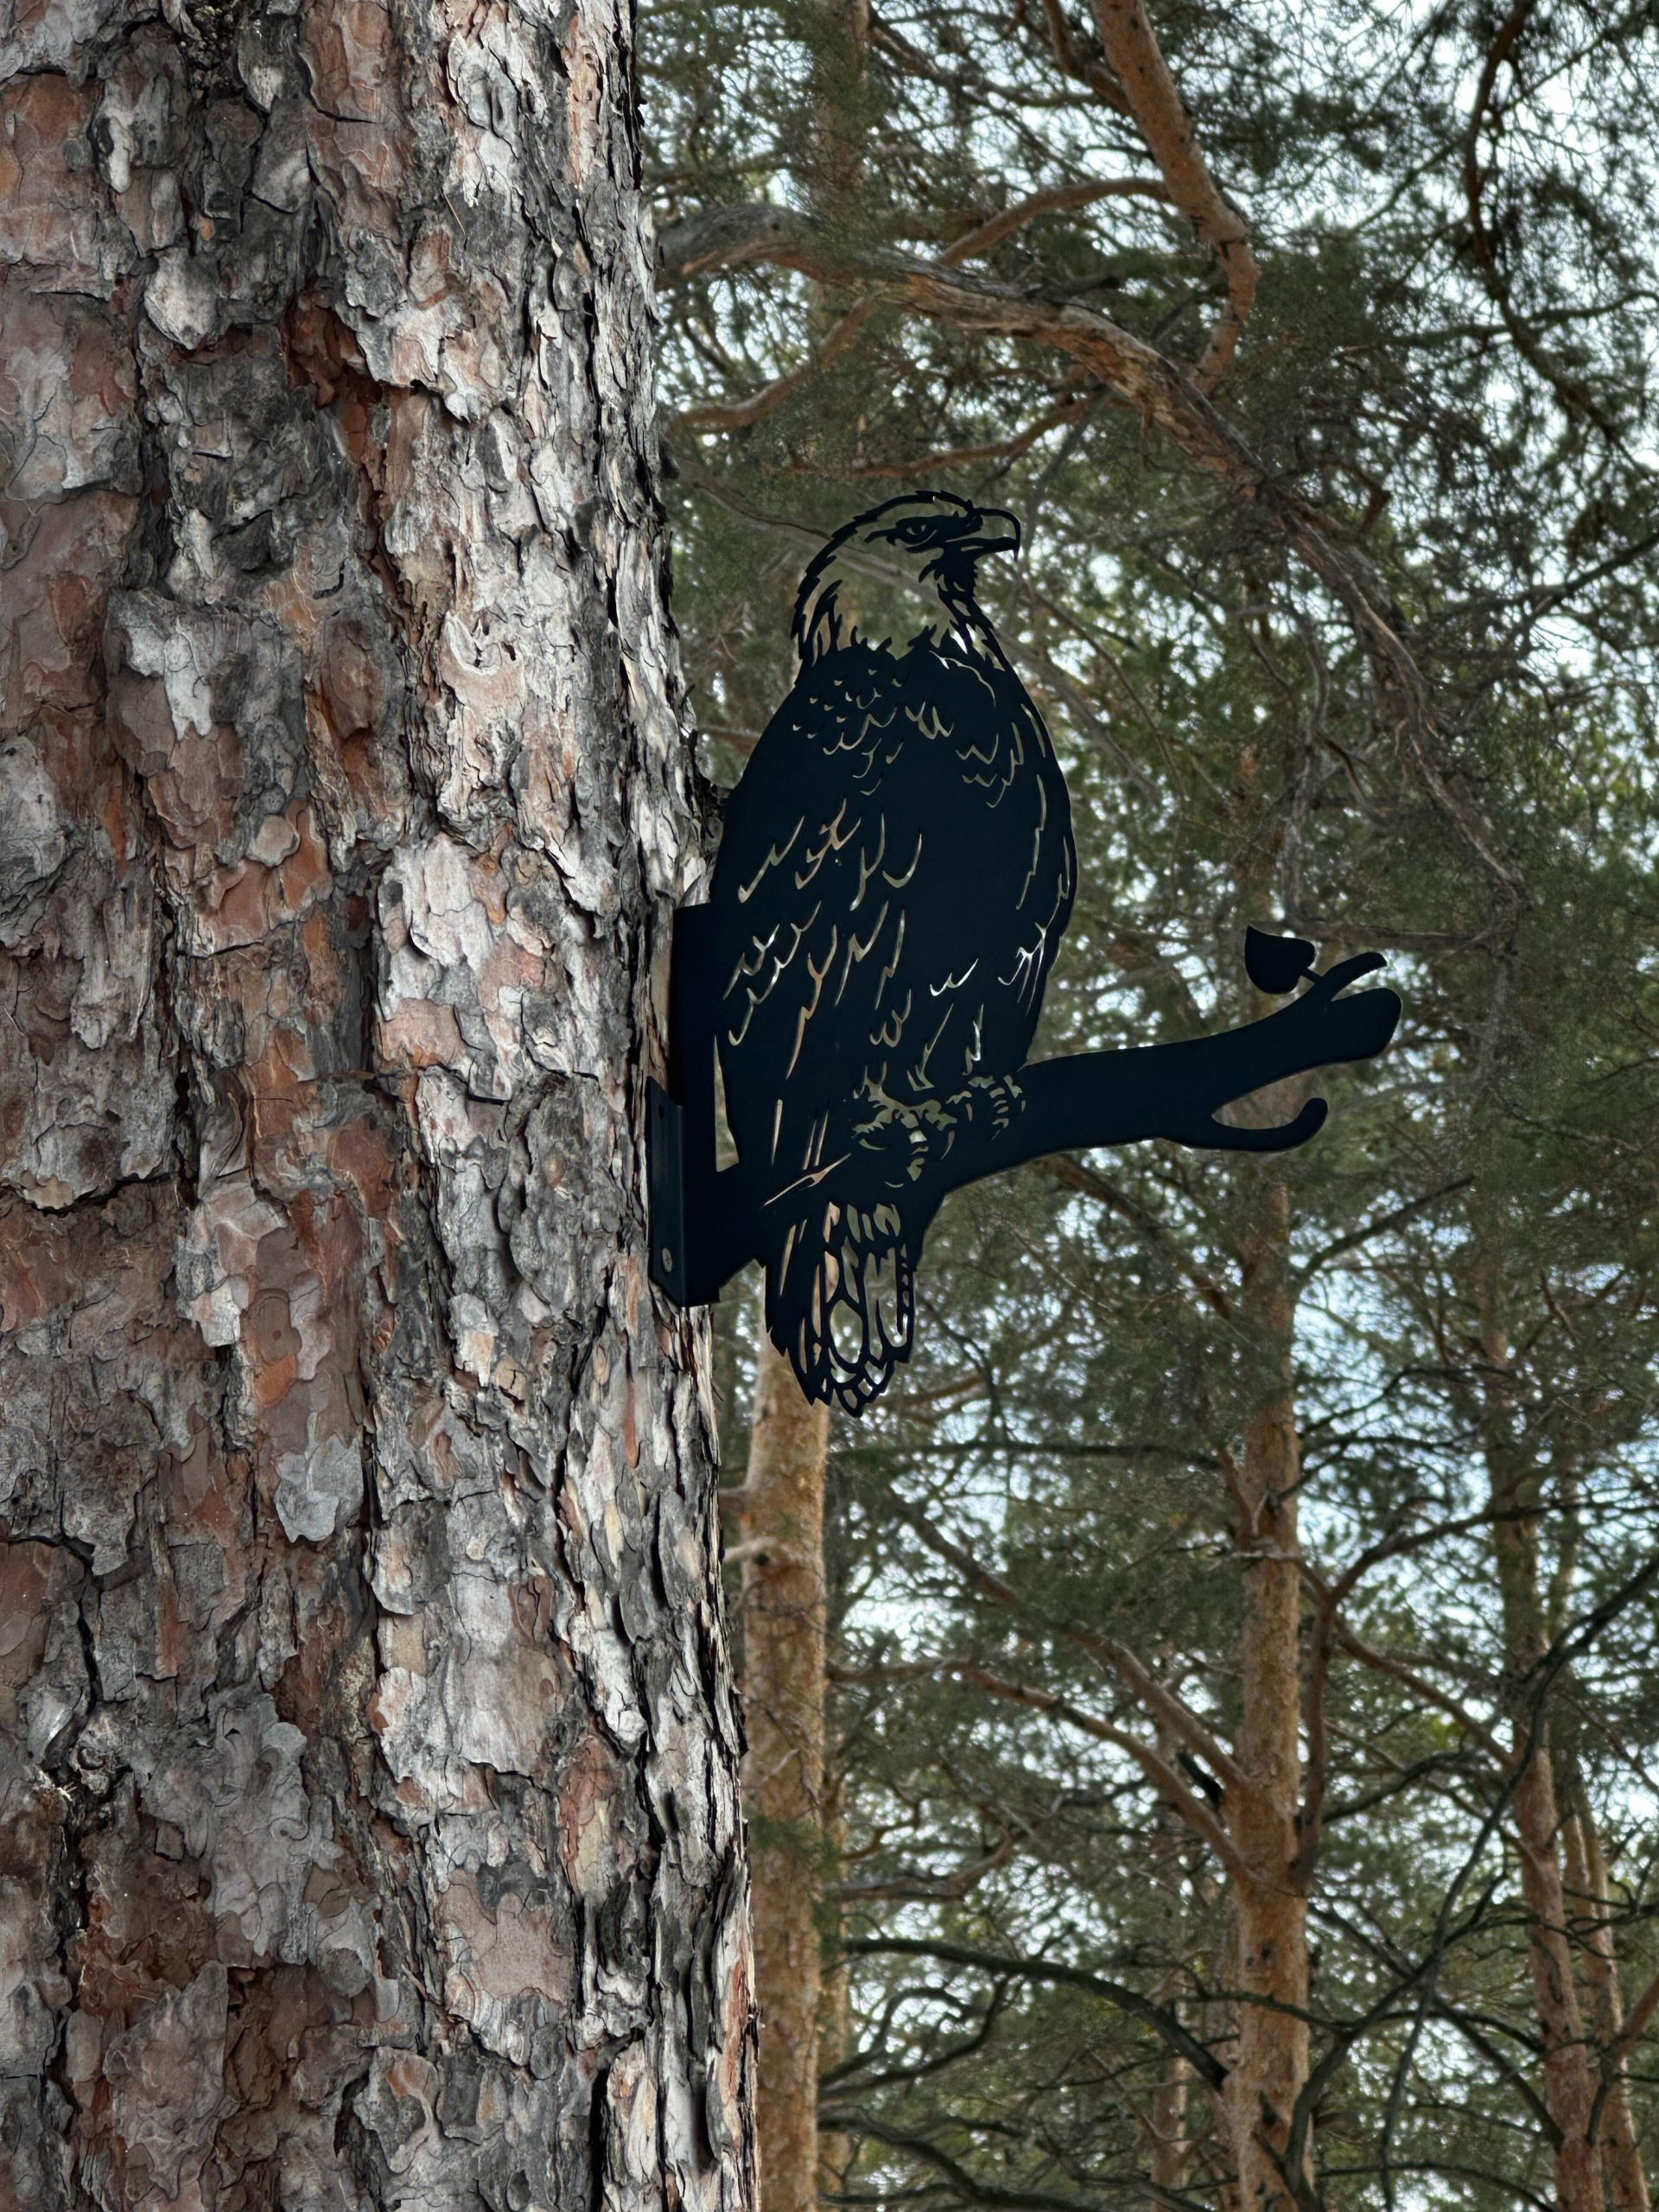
(1569, 2083)
(1169, 2142)
(1269, 1907)
(369, 1832)
(837, 2152)
(1624, 2179)
(784, 1773)
(782, 1519)
(1623, 2175)
(1171, 2147)
(1569, 2086)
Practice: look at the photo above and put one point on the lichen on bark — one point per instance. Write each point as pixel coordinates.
(368, 1819)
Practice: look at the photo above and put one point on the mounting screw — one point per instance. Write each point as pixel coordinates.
(668, 1261)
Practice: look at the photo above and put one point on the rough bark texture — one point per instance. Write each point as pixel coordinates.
(1269, 1905)
(1513, 1476)
(1569, 2086)
(368, 1821)
(784, 1691)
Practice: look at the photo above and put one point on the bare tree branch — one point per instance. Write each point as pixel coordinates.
(992, 232)
(1160, 1704)
(1131, 48)
(931, 464)
(948, 1889)
(1573, 393)
(1163, 1776)
(972, 2191)
(1075, 1177)
(1324, 1638)
(1635, 2022)
(1083, 68)
(1395, 1217)
(1202, 2060)
(738, 414)
(1381, 1663)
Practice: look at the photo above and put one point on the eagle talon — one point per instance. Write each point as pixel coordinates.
(990, 1103)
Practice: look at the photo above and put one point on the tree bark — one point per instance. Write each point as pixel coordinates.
(783, 1692)
(1132, 48)
(1269, 1904)
(1513, 1478)
(1170, 2161)
(1169, 2144)
(1623, 2175)
(839, 96)
(368, 1767)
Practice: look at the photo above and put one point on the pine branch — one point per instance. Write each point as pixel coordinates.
(1158, 1770)
(1131, 48)
(1175, 2035)
(991, 233)
(740, 415)
(1160, 1703)
(1075, 1177)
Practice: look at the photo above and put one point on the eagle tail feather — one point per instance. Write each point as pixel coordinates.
(841, 1301)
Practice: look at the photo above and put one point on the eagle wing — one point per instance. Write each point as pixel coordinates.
(895, 875)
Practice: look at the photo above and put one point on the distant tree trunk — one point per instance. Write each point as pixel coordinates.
(1589, 1892)
(782, 1524)
(782, 1515)
(1624, 2174)
(836, 2151)
(840, 59)
(1171, 2148)
(1169, 2142)
(1515, 1493)
(370, 1830)
(1269, 1905)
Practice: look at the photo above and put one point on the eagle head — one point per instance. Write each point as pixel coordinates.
(926, 543)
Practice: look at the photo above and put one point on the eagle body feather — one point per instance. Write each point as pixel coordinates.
(895, 872)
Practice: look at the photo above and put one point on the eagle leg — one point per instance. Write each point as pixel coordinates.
(840, 1301)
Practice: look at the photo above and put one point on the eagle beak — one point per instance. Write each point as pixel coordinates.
(1000, 533)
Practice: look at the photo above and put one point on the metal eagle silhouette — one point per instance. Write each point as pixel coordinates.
(896, 871)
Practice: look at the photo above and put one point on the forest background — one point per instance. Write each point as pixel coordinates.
(1203, 1723)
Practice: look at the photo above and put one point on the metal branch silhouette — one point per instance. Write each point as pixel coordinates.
(895, 875)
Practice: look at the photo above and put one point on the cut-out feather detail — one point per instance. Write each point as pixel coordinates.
(855, 1032)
